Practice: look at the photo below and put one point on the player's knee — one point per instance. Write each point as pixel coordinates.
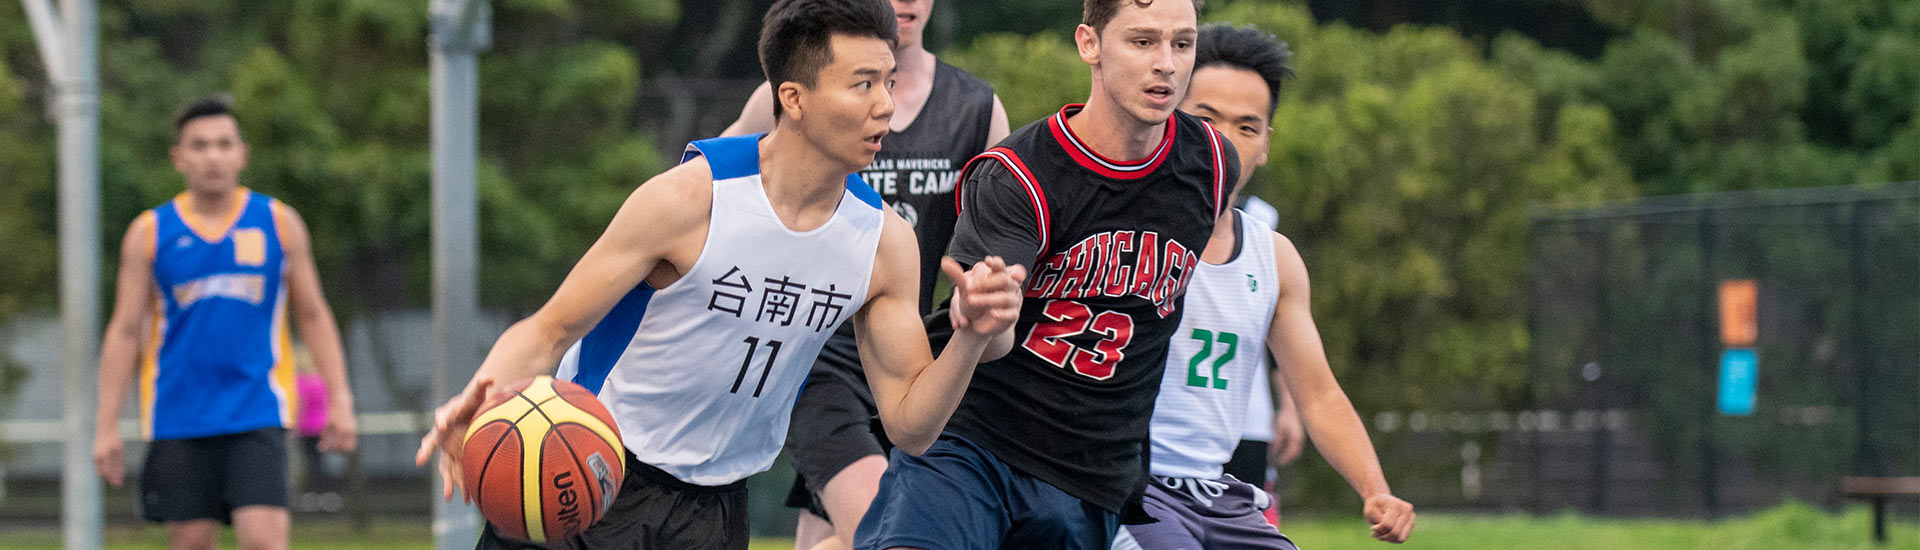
(193, 535)
(261, 527)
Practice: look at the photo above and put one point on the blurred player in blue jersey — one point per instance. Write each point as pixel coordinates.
(206, 284)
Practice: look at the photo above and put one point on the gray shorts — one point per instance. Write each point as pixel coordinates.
(1196, 514)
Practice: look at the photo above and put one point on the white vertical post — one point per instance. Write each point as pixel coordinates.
(78, 107)
(460, 29)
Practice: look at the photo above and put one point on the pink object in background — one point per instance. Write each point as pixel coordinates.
(313, 404)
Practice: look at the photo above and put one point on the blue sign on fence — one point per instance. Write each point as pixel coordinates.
(1739, 379)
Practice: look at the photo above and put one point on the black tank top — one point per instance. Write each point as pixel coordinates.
(1117, 243)
(915, 173)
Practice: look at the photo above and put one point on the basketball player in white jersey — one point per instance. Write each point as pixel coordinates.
(1251, 286)
(701, 308)
(942, 118)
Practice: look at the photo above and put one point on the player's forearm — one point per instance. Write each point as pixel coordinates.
(1337, 432)
(118, 352)
(529, 348)
(322, 336)
(922, 411)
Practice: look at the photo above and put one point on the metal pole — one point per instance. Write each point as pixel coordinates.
(1603, 358)
(78, 105)
(1708, 322)
(460, 29)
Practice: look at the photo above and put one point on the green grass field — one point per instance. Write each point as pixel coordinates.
(1790, 526)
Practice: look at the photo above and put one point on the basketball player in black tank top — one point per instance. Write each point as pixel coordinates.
(1047, 448)
(942, 118)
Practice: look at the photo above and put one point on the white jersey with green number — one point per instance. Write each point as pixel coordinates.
(1216, 359)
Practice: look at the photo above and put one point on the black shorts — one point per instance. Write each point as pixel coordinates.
(208, 477)
(833, 426)
(655, 511)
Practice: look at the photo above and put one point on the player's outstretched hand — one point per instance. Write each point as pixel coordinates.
(449, 432)
(986, 299)
(1391, 518)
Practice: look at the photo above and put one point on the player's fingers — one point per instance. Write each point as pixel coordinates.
(447, 479)
(1018, 273)
(995, 263)
(428, 443)
(1402, 525)
(951, 268)
(958, 319)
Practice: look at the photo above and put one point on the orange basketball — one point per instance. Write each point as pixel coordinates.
(545, 461)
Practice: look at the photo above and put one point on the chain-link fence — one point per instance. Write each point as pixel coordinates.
(1638, 309)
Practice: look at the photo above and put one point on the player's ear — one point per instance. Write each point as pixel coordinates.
(788, 94)
(1088, 41)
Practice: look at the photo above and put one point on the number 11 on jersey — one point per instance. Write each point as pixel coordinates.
(753, 347)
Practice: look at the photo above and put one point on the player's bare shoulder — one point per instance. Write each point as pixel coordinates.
(138, 243)
(671, 208)
(896, 261)
(1288, 264)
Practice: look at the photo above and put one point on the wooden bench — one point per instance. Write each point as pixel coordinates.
(1878, 490)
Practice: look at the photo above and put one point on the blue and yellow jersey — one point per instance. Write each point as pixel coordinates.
(220, 358)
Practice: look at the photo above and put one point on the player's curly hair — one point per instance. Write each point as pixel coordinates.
(796, 35)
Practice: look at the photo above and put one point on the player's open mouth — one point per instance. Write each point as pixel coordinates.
(873, 141)
(1160, 94)
(905, 18)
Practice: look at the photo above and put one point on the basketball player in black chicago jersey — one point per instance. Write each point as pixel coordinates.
(1047, 448)
(942, 117)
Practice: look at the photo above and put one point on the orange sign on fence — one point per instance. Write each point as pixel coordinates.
(1739, 319)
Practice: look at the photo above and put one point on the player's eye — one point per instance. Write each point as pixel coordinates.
(1142, 42)
(890, 83)
(864, 85)
(1182, 44)
(1249, 130)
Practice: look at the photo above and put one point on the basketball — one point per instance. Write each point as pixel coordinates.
(545, 461)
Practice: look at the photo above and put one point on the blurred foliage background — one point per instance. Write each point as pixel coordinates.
(1405, 156)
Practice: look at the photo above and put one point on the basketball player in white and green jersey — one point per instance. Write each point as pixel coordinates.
(1249, 286)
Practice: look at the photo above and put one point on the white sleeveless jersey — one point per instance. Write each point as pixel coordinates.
(1216, 359)
(1259, 423)
(701, 376)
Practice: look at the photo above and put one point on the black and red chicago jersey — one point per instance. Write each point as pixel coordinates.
(1109, 247)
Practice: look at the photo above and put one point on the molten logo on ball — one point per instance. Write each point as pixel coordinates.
(569, 502)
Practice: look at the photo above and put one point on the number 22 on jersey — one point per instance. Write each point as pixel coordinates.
(1229, 343)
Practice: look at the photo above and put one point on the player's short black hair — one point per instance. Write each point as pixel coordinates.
(213, 105)
(796, 35)
(1096, 13)
(1246, 48)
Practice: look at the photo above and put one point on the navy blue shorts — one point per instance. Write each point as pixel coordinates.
(960, 497)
